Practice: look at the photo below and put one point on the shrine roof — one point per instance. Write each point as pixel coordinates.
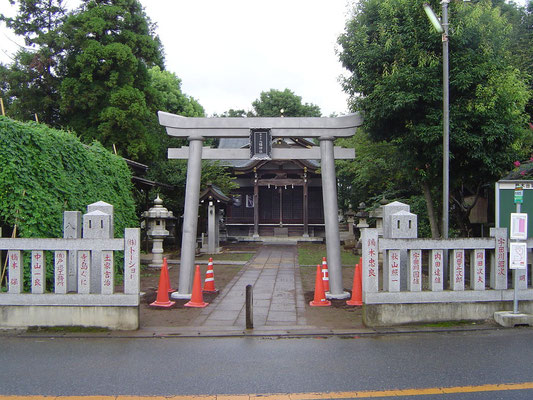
(215, 193)
(242, 143)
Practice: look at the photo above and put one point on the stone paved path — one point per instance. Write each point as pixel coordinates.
(277, 292)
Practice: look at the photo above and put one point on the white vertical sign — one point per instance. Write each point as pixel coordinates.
(370, 260)
(108, 281)
(60, 274)
(477, 269)
(132, 264)
(38, 272)
(414, 284)
(15, 274)
(457, 273)
(518, 226)
(436, 275)
(518, 255)
(84, 272)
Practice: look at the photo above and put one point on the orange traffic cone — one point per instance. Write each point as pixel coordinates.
(209, 283)
(357, 288)
(325, 274)
(197, 299)
(320, 295)
(165, 268)
(162, 291)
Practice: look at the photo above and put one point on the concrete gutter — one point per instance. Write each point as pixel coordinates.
(226, 332)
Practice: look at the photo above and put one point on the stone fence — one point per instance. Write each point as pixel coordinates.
(407, 280)
(84, 278)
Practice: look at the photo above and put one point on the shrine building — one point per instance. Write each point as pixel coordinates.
(275, 198)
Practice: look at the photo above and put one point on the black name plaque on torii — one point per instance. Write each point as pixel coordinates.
(260, 144)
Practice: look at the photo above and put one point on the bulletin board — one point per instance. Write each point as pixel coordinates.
(505, 203)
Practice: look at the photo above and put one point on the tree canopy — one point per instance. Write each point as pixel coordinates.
(97, 70)
(272, 102)
(395, 61)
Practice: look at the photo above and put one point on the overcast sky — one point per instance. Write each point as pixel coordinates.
(227, 52)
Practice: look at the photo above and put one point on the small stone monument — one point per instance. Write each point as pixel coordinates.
(215, 200)
(97, 224)
(156, 220)
(398, 223)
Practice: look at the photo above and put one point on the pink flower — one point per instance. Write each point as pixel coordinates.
(516, 163)
(523, 173)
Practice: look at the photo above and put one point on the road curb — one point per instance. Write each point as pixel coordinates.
(259, 333)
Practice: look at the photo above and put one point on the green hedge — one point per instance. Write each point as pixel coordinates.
(45, 171)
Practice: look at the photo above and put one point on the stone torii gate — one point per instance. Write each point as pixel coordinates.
(260, 131)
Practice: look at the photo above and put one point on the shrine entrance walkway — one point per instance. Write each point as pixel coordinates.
(278, 299)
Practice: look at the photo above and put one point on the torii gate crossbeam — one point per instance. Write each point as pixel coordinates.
(326, 130)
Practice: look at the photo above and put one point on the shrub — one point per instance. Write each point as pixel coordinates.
(45, 171)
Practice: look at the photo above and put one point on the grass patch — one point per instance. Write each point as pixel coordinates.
(312, 253)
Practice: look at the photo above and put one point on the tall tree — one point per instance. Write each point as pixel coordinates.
(33, 78)
(394, 57)
(522, 43)
(110, 44)
(167, 95)
(271, 104)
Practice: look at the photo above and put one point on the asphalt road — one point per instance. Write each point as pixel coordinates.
(180, 366)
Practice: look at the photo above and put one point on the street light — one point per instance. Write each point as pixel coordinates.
(433, 18)
(442, 27)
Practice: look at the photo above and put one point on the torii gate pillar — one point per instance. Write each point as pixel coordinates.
(190, 218)
(331, 218)
(325, 129)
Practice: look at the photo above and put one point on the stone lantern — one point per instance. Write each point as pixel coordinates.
(362, 214)
(155, 219)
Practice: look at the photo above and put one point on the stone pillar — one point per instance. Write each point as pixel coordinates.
(108, 272)
(498, 261)
(218, 217)
(414, 284)
(72, 230)
(132, 261)
(256, 207)
(38, 272)
(391, 272)
(305, 204)
(436, 271)
(106, 208)
(477, 269)
(84, 272)
(331, 211)
(96, 225)
(60, 272)
(457, 270)
(16, 271)
(370, 256)
(106, 232)
(212, 243)
(190, 218)
(399, 223)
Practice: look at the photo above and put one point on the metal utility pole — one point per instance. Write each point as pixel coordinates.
(446, 123)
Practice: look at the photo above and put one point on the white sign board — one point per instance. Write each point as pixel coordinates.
(518, 255)
(518, 226)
